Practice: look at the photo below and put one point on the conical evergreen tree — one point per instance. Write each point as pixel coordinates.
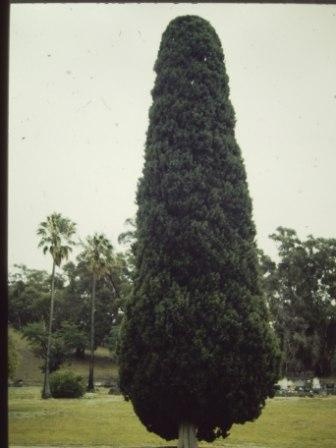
(196, 347)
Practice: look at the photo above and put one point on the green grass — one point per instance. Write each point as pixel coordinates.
(96, 419)
(29, 371)
(102, 419)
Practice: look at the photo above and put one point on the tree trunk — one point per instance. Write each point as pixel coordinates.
(46, 386)
(80, 352)
(187, 436)
(93, 296)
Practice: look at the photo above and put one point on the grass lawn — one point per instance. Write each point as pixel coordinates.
(102, 419)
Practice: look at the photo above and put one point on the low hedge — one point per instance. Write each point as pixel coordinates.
(66, 384)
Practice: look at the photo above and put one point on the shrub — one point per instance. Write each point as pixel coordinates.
(114, 388)
(66, 384)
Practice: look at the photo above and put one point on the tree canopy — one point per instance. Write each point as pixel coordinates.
(301, 292)
(196, 346)
(56, 234)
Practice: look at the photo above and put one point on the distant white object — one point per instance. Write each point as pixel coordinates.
(284, 383)
(316, 383)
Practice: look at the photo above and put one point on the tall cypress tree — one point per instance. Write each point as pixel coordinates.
(196, 350)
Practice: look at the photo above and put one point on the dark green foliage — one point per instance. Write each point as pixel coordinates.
(29, 296)
(75, 302)
(301, 292)
(63, 342)
(65, 384)
(112, 341)
(29, 301)
(195, 345)
(13, 358)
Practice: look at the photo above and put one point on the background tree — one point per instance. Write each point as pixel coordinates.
(75, 303)
(29, 296)
(13, 357)
(197, 353)
(97, 256)
(301, 292)
(126, 261)
(129, 236)
(63, 341)
(56, 238)
(29, 302)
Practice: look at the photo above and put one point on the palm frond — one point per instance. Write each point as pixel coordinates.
(97, 254)
(56, 234)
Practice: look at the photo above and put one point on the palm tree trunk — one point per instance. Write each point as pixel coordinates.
(46, 386)
(93, 297)
(187, 436)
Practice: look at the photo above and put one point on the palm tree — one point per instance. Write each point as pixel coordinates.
(97, 255)
(55, 234)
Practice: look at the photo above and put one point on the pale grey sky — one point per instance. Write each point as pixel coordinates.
(80, 82)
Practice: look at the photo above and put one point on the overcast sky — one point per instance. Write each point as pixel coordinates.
(80, 82)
